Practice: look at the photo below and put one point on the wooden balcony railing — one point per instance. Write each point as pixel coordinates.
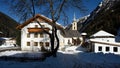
(36, 30)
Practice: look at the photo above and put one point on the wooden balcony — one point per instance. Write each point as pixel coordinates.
(37, 30)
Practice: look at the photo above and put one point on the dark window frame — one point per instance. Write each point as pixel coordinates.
(28, 35)
(115, 49)
(35, 35)
(28, 43)
(35, 43)
(41, 43)
(47, 44)
(107, 49)
(100, 48)
(41, 35)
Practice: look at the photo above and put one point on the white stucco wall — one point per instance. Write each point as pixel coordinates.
(107, 40)
(66, 41)
(24, 38)
(97, 45)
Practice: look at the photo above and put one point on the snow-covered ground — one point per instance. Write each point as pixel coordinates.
(65, 59)
(6, 45)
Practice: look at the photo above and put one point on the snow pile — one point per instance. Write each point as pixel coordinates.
(6, 45)
(21, 54)
(75, 49)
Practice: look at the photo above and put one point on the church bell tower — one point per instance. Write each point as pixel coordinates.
(74, 24)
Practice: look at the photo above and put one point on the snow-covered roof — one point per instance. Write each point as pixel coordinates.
(71, 33)
(102, 33)
(104, 42)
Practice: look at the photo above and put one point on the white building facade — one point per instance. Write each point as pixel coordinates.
(32, 35)
(104, 42)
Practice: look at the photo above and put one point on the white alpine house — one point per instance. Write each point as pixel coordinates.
(103, 41)
(32, 35)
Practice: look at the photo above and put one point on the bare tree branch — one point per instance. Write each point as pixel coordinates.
(55, 9)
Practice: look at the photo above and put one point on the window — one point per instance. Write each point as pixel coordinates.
(36, 26)
(28, 35)
(28, 43)
(36, 35)
(35, 43)
(100, 48)
(41, 35)
(68, 41)
(74, 27)
(107, 48)
(47, 44)
(74, 24)
(41, 43)
(115, 49)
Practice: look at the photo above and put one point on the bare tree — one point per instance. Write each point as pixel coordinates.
(55, 9)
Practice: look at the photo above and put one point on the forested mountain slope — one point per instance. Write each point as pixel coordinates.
(8, 26)
(105, 17)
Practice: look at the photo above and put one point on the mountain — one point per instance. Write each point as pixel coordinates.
(106, 17)
(8, 26)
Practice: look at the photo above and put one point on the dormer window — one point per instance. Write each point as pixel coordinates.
(36, 26)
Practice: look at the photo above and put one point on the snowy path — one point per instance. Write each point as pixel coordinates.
(69, 60)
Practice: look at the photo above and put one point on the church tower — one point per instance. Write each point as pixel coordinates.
(74, 24)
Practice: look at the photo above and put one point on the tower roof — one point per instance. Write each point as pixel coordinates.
(74, 19)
